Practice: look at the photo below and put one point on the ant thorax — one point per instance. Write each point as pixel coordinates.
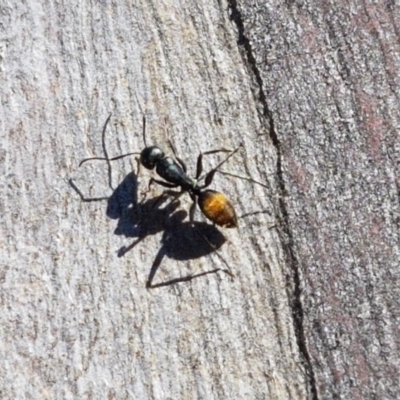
(172, 172)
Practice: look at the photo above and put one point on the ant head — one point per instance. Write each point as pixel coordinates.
(150, 155)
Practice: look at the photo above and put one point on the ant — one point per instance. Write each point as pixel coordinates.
(214, 205)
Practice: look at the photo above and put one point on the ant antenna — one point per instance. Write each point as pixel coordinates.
(106, 158)
(103, 145)
(144, 130)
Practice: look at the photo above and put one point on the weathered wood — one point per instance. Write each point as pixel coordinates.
(311, 93)
(330, 81)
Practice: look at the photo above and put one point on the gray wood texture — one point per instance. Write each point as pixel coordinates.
(311, 91)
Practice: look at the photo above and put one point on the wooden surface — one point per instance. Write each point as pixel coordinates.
(311, 92)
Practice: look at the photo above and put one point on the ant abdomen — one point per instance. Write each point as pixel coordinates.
(217, 208)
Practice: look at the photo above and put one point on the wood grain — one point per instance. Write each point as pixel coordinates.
(311, 91)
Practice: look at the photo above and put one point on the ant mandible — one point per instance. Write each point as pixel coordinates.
(214, 205)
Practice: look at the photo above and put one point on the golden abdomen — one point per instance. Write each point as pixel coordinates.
(217, 208)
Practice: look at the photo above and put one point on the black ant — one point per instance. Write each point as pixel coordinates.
(214, 205)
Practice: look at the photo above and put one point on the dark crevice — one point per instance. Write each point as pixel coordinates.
(286, 234)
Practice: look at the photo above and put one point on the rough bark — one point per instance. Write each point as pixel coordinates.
(330, 82)
(310, 91)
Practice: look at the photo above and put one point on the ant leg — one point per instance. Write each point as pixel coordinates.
(149, 284)
(180, 161)
(245, 178)
(192, 209)
(153, 270)
(215, 250)
(124, 249)
(199, 168)
(188, 278)
(83, 198)
(159, 200)
(162, 183)
(210, 175)
(171, 145)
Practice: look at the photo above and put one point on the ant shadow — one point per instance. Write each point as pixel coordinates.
(181, 240)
